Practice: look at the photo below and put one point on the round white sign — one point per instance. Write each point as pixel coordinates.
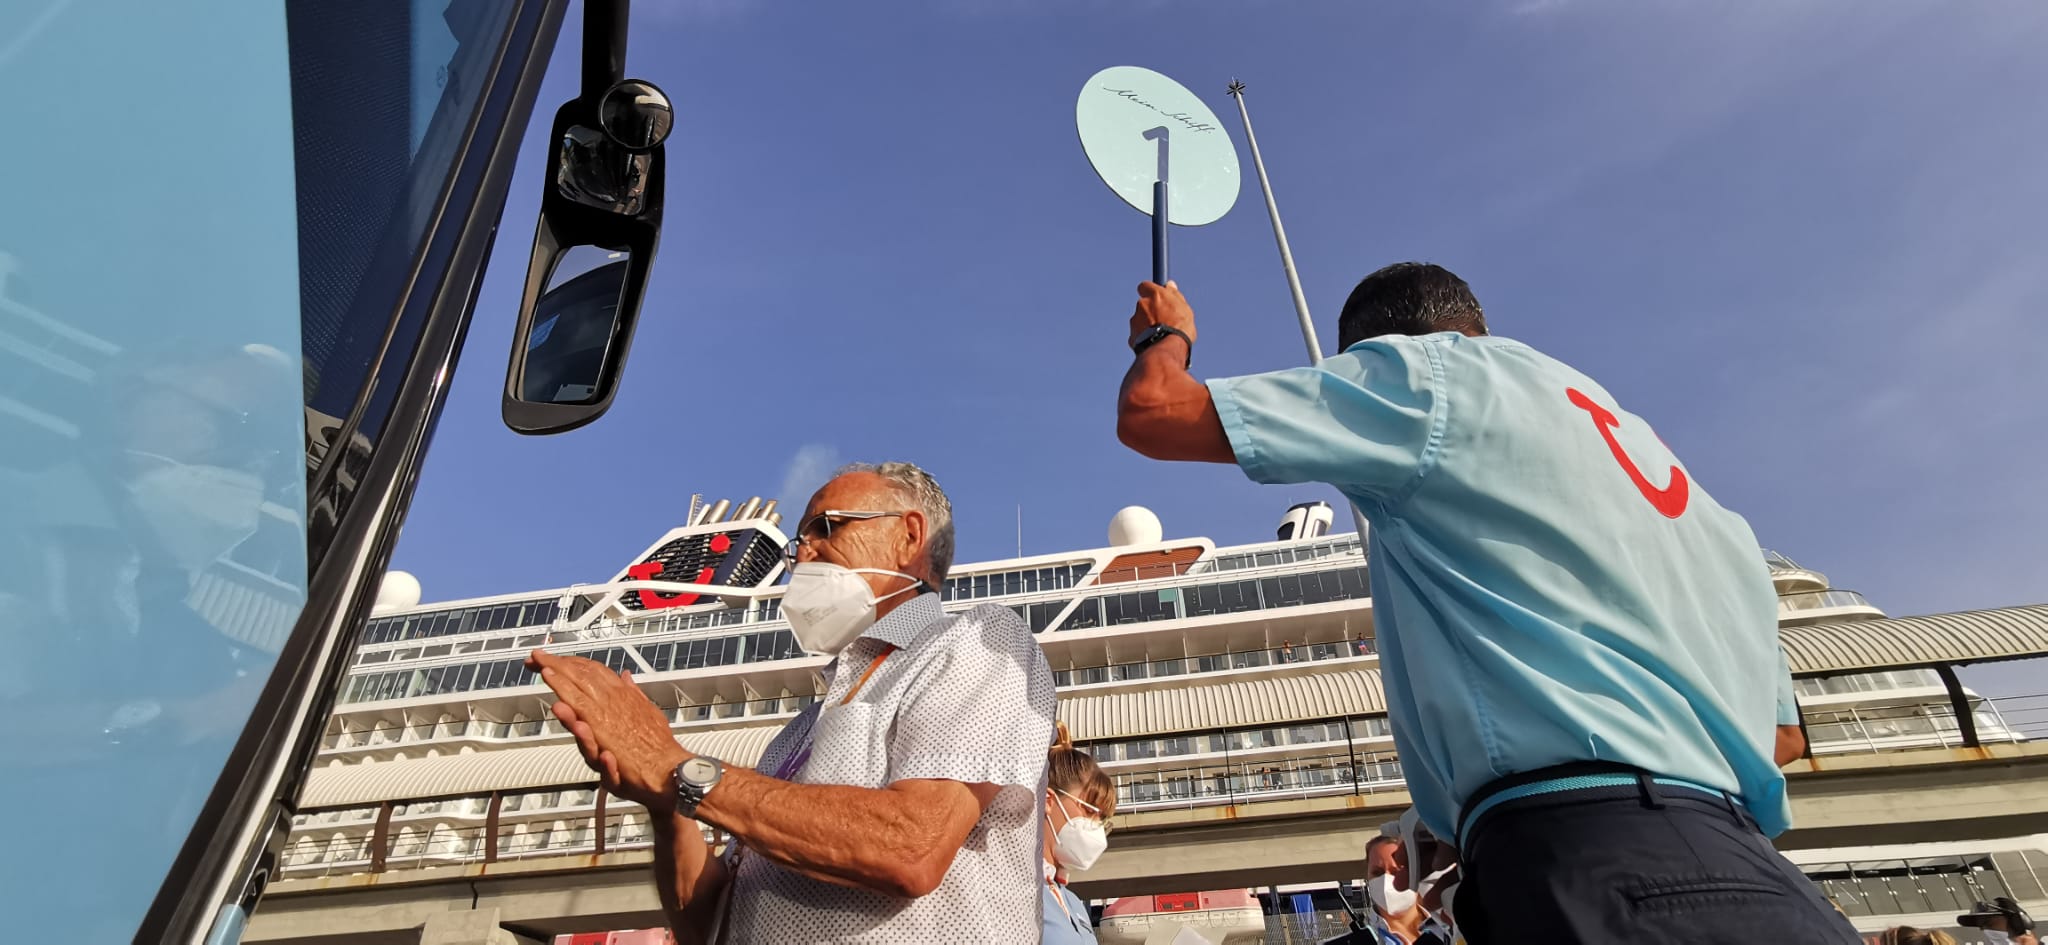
(1136, 124)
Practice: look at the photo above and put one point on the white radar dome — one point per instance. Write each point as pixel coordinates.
(399, 591)
(1134, 525)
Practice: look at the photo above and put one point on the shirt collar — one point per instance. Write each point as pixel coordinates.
(908, 622)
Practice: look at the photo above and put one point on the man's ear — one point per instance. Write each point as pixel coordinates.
(909, 553)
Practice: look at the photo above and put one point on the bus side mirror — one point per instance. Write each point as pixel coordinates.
(600, 222)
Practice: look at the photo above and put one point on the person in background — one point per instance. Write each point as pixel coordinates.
(1428, 868)
(1397, 911)
(1079, 800)
(1908, 935)
(2002, 922)
(117, 564)
(1571, 629)
(897, 809)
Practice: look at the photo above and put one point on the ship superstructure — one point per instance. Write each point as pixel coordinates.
(1197, 675)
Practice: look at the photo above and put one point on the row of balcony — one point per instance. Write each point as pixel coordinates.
(449, 731)
(1353, 759)
(1826, 724)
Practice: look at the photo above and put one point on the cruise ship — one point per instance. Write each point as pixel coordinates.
(1233, 692)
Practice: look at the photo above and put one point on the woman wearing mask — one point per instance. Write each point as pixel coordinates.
(1079, 800)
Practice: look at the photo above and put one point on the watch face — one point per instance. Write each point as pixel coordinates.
(699, 770)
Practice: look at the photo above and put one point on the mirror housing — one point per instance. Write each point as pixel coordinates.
(604, 192)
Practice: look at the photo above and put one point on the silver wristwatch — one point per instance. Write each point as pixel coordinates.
(694, 779)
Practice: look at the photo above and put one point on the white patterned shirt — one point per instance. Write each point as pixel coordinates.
(965, 698)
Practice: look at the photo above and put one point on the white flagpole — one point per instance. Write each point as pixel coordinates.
(1308, 326)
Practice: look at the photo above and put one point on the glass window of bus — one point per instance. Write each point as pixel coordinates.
(211, 213)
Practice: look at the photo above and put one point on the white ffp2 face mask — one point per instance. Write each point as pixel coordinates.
(199, 513)
(1080, 843)
(1387, 899)
(829, 606)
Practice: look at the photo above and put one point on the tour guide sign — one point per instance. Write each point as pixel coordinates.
(1162, 150)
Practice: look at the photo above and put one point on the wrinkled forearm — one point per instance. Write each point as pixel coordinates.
(883, 840)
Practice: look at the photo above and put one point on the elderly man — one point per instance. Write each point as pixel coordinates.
(1578, 642)
(901, 808)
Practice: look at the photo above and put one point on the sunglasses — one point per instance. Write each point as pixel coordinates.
(821, 526)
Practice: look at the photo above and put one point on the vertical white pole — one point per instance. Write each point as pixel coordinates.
(1308, 326)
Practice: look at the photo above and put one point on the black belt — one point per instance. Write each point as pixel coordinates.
(1580, 777)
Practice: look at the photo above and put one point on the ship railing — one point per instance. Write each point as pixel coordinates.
(1823, 600)
(684, 622)
(1869, 729)
(1216, 783)
(1177, 666)
(447, 831)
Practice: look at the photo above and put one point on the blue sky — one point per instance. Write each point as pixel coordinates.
(1804, 239)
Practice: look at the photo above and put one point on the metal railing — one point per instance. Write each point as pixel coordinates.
(1213, 663)
(1822, 600)
(1233, 782)
(513, 641)
(1878, 729)
(444, 831)
(394, 735)
(493, 731)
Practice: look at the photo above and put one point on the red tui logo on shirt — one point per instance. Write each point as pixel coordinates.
(1670, 500)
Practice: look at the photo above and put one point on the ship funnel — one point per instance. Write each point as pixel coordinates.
(775, 519)
(1307, 520)
(767, 511)
(717, 513)
(747, 509)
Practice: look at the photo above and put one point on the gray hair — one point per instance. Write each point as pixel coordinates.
(921, 490)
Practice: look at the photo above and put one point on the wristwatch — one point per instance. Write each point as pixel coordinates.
(694, 779)
(1157, 334)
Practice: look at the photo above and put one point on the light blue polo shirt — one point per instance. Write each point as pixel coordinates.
(1548, 584)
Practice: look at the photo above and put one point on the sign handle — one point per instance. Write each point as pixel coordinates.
(1160, 220)
(1159, 233)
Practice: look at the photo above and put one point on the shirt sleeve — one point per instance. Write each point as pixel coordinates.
(1788, 702)
(980, 713)
(1366, 419)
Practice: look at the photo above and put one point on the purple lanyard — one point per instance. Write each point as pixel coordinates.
(796, 760)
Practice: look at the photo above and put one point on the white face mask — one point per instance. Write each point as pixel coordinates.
(1080, 843)
(829, 606)
(1387, 899)
(199, 513)
(1996, 937)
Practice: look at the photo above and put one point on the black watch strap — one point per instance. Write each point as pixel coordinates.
(1160, 333)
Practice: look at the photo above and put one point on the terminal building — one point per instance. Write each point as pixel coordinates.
(1233, 691)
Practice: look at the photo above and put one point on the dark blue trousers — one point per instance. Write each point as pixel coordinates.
(1634, 865)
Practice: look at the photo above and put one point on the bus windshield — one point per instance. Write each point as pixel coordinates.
(210, 212)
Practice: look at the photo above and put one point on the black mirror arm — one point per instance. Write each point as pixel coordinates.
(604, 46)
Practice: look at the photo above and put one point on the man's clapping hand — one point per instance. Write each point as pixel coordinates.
(624, 737)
